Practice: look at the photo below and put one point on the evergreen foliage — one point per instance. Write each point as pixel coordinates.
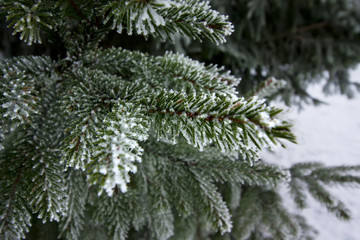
(299, 41)
(101, 142)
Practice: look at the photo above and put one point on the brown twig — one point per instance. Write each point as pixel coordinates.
(209, 118)
(302, 29)
(77, 9)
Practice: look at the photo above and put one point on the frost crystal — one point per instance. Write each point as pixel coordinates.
(118, 147)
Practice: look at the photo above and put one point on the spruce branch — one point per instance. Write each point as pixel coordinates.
(45, 183)
(201, 78)
(261, 208)
(15, 217)
(173, 71)
(27, 18)
(206, 119)
(14, 164)
(160, 209)
(189, 169)
(164, 18)
(219, 167)
(72, 222)
(115, 213)
(162, 174)
(313, 177)
(231, 123)
(20, 78)
(267, 88)
(117, 148)
(19, 102)
(213, 205)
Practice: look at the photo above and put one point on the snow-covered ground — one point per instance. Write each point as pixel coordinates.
(330, 134)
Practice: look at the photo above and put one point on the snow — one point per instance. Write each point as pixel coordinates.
(328, 134)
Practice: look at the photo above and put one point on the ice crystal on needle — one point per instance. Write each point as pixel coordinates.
(78, 129)
(163, 19)
(118, 149)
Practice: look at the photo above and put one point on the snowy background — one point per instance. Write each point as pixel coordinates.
(330, 134)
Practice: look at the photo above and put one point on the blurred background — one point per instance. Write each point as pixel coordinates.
(329, 133)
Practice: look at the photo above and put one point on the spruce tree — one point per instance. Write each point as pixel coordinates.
(102, 142)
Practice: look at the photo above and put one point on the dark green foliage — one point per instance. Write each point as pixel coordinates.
(77, 192)
(28, 17)
(167, 18)
(100, 142)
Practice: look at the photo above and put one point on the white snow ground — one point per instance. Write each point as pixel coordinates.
(328, 134)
